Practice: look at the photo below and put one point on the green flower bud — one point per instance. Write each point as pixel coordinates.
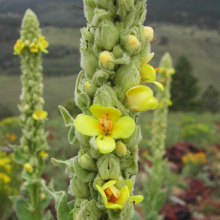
(106, 35)
(79, 188)
(86, 162)
(148, 33)
(89, 211)
(89, 88)
(109, 167)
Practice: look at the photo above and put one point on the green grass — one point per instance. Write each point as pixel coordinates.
(56, 91)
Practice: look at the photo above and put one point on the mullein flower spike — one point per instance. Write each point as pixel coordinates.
(159, 170)
(31, 152)
(115, 52)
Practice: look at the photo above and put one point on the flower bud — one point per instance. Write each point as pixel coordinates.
(28, 167)
(79, 188)
(148, 33)
(105, 59)
(132, 44)
(109, 167)
(121, 149)
(86, 162)
(89, 88)
(140, 98)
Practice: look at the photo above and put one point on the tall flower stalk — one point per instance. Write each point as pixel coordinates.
(31, 152)
(115, 52)
(155, 187)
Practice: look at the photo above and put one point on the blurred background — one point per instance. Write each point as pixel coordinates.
(189, 30)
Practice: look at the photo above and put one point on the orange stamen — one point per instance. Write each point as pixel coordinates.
(157, 69)
(110, 126)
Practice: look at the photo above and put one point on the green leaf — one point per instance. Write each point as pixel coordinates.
(22, 210)
(71, 135)
(66, 116)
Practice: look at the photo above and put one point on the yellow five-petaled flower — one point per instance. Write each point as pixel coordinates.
(107, 126)
(115, 198)
(40, 115)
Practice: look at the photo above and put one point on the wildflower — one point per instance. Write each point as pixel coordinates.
(115, 198)
(121, 149)
(196, 158)
(7, 135)
(18, 47)
(28, 167)
(148, 75)
(4, 162)
(107, 126)
(148, 33)
(34, 48)
(43, 44)
(140, 98)
(13, 137)
(4, 178)
(43, 154)
(40, 115)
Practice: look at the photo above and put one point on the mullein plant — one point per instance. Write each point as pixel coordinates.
(110, 91)
(155, 191)
(33, 143)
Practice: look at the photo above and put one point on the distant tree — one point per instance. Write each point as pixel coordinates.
(210, 99)
(184, 89)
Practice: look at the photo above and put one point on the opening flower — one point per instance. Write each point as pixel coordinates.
(40, 115)
(107, 126)
(34, 48)
(140, 98)
(148, 75)
(18, 47)
(43, 44)
(115, 198)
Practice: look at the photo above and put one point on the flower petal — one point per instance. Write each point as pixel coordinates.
(105, 144)
(108, 184)
(129, 185)
(148, 73)
(159, 85)
(99, 111)
(124, 195)
(140, 98)
(87, 125)
(136, 199)
(111, 205)
(101, 191)
(123, 127)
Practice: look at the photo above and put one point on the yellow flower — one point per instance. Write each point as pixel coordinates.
(43, 154)
(5, 178)
(115, 198)
(34, 48)
(107, 126)
(148, 75)
(4, 162)
(28, 167)
(140, 98)
(196, 158)
(43, 44)
(18, 47)
(42, 196)
(40, 115)
(13, 137)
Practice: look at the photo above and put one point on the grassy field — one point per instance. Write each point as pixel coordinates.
(56, 91)
(201, 46)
